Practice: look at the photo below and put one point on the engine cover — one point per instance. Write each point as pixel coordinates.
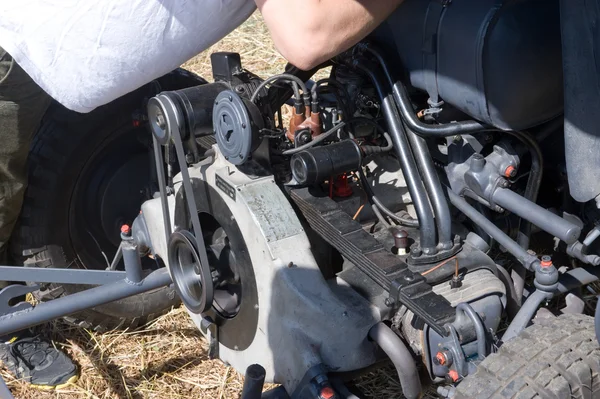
(283, 293)
(498, 61)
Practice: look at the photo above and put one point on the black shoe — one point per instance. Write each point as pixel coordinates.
(38, 362)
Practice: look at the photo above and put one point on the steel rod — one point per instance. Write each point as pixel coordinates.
(82, 300)
(58, 275)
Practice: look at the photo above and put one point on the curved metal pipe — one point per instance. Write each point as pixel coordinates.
(479, 329)
(422, 129)
(399, 354)
(425, 130)
(427, 232)
(434, 189)
(522, 319)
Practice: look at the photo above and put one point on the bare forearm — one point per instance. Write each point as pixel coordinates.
(308, 32)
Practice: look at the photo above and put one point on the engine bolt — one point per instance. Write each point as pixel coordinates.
(453, 375)
(510, 171)
(477, 162)
(443, 358)
(327, 393)
(416, 252)
(389, 302)
(546, 261)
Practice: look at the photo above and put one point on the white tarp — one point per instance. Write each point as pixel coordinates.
(86, 53)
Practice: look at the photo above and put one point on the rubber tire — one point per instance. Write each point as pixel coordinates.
(557, 358)
(41, 239)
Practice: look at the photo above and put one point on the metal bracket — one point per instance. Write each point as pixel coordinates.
(14, 292)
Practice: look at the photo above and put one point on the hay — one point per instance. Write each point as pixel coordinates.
(168, 358)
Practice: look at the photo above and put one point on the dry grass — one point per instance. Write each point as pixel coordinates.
(167, 359)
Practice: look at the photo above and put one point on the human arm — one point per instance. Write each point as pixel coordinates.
(309, 32)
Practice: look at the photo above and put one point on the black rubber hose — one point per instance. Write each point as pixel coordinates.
(294, 80)
(400, 356)
(376, 203)
(427, 231)
(316, 140)
(526, 259)
(434, 189)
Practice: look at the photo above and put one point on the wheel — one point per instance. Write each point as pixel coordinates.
(88, 175)
(558, 358)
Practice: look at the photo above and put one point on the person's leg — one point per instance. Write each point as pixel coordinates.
(22, 106)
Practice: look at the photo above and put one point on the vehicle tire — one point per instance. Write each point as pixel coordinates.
(558, 358)
(88, 174)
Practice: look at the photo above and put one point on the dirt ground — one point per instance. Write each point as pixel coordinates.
(168, 358)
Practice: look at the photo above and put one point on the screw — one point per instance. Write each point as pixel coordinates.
(457, 138)
(230, 98)
(409, 277)
(498, 209)
(243, 125)
(291, 264)
(160, 121)
(189, 158)
(416, 252)
(389, 302)
(239, 89)
(504, 183)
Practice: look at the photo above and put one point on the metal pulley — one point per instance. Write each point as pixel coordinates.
(192, 278)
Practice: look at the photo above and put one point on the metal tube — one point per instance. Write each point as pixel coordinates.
(133, 263)
(417, 191)
(4, 391)
(493, 231)
(82, 300)
(531, 192)
(526, 313)
(544, 219)
(399, 354)
(408, 114)
(427, 231)
(254, 380)
(425, 130)
(59, 275)
(434, 189)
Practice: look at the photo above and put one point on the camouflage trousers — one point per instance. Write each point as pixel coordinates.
(22, 106)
